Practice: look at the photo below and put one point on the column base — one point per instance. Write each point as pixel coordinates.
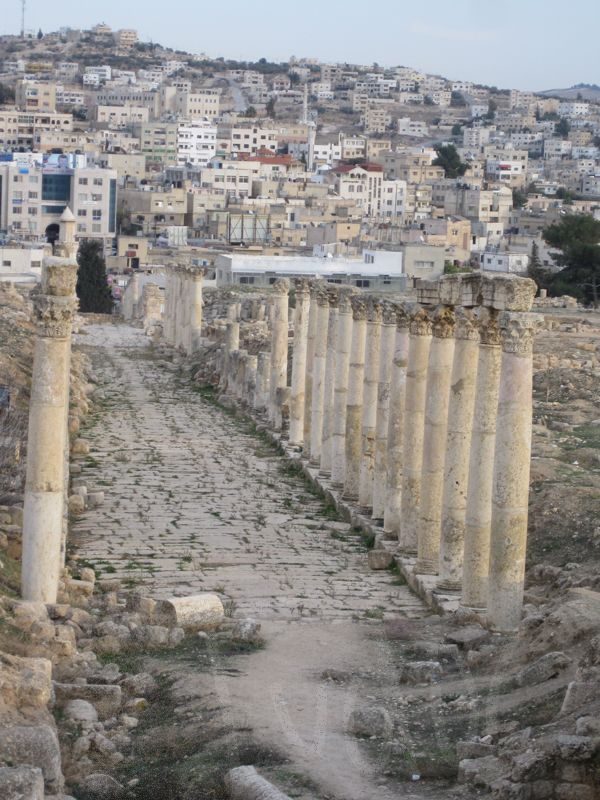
(353, 497)
(324, 473)
(425, 567)
(453, 587)
(409, 552)
(474, 609)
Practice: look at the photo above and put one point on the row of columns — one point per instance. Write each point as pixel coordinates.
(182, 323)
(421, 414)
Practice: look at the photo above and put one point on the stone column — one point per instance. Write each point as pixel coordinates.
(512, 459)
(263, 379)
(369, 404)
(279, 342)
(168, 316)
(340, 388)
(439, 373)
(458, 446)
(195, 301)
(301, 313)
(250, 377)
(55, 308)
(333, 294)
(313, 315)
(396, 422)
(419, 344)
(386, 358)
(355, 396)
(478, 514)
(318, 376)
(232, 343)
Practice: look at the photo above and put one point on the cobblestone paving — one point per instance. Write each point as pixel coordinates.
(197, 501)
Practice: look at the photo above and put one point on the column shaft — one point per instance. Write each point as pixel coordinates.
(313, 315)
(279, 343)
(386, 359)
(333, 294)
(301, 313)
(458, 444)
(512, 459)
(478, 514)
(318, 377)
(369, 405)
(340, 389)
(354, 398)
(396, 424)
(439, 373)
(419, 344)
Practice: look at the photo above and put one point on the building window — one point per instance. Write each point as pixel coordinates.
(83, 181)
(363, 284)
(246, 279)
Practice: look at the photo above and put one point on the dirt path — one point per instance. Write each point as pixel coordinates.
(195, 501)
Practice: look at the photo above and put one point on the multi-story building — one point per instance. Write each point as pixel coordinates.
(158, 142)
(18, 129)
(249, 139)
(121, 116)
(361, 183)
(570, 108)
(126, 37)
(35, 192)
(376, 119)
(412, 127)
(506, 165)
(35, 96)
(411, 165)
(196, 142)
(197, 105)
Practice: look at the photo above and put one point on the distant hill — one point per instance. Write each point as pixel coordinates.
(587, 91)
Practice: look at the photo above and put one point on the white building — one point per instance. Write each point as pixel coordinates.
(504, 262)
(570, 108)
(196, 142)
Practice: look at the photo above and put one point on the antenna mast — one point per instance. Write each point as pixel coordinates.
(22, 19)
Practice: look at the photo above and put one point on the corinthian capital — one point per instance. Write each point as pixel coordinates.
(444, 321)
(281, 286)
(517, 331)
(466, 325)
(421, 321)
(54, 315)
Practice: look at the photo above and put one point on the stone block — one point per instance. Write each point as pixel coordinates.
(21, 783)
(575, 748)
(450, 290)
(99, 786)
(370, 722)
(106, 699)
(247, 631)
(469, 638)
(414, 672)
(588, 726)
(35, 746)
(95, 499)
(578, 695)
(428, 292)
(574, 791)
(468, 750)
(244, 783)
(140, 604)
(80, 447)
(76, 504)
(198, 612)
(530, 766)
(380, 559)
(507, 292)
(470, 290)
(545, 668)
(81, 711)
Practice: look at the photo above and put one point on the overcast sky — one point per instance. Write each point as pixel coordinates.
(524, 44)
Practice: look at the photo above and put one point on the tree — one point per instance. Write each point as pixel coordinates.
(40, 35)
(492, 108)
(7, 94)
(270, 107)
(535, 269)
(250, 112)
(577, 239)
(93, 290)
(456, 129)
(519, 198)
(562, 128)
(448, 158)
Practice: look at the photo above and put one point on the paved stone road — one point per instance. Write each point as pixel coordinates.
(197, 502)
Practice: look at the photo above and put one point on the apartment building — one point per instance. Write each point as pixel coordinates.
(158, 142)
(569, 108)
(129, 95)
(126, 37)
(121, 116)
(197, 105)
(248, 139)
(127, 165)
(152, 211)
(412, 127)
(18, 129)
(412, 166)
(474, 203)
(361, 183)
(506, 165)
(353, 147)
(35, 192)
(376, 120)
(65, 96)
(196, 142)
(35, 96)
(230, 178)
